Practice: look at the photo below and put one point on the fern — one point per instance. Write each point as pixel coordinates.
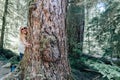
(109, 71)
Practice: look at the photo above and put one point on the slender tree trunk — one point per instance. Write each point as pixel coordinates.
(80, 28)
(47, 58)
(3, 25)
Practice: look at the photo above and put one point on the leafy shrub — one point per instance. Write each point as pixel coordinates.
(7, 53)
(112, 72)
(14, 60)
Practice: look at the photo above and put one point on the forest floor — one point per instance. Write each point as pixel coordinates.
(3, 70)
(78, 75)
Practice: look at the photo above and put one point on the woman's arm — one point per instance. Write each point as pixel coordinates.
(25, 42)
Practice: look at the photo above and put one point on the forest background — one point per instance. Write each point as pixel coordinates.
(93, 36)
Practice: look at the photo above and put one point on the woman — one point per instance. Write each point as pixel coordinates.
(22, 44)
(22, 41)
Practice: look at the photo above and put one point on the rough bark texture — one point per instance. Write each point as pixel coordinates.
(47, 58)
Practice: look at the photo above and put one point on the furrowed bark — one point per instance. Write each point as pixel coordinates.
(47, 58)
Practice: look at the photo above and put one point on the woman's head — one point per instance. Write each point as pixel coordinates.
(23, 30)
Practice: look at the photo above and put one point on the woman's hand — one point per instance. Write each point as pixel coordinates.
(28, 44)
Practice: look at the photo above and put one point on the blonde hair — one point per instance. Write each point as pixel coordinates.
(22, 35)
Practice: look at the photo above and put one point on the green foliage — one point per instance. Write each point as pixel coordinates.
(74, 56)
(3, 58)
(109, 71)
(105, 28)
(6, 53)
(14, 60)
(78, 75)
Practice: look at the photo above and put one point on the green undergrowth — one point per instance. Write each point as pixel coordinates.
(7, 55)
(112, 72)
(82, 63)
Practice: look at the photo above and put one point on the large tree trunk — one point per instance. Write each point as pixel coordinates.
(47, 58)
(3, 25)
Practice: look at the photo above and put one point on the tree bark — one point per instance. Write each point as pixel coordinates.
(3, 25)
(47, 58)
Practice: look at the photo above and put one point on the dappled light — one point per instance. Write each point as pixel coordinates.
(59, 40)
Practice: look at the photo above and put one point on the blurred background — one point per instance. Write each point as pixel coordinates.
(93, 36)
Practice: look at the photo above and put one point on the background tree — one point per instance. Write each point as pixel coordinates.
(3, 25)
(75, 24)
